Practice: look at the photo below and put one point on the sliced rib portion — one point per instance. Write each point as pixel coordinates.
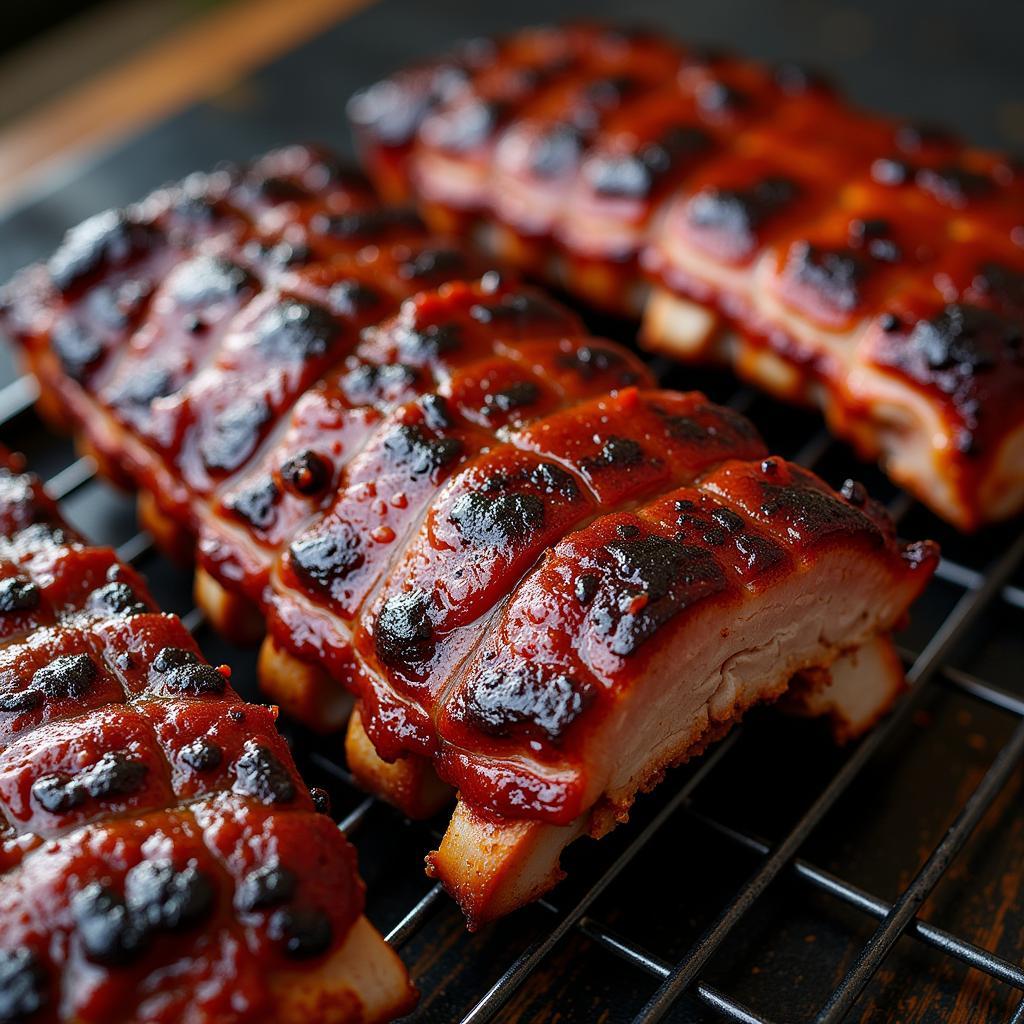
(162, 859)
(636, 642)
(752, 216)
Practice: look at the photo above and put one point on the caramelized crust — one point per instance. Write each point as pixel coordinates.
(750, 215)
(542, 580)
(160, 856)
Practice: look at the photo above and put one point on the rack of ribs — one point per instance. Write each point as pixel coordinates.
(749, 215)
(541, 578)
(160, 857)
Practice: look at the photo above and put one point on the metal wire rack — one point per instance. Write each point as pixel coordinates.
(663, 987)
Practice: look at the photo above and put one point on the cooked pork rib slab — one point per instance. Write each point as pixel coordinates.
(402, 471)
(751, 216)
(160, 858)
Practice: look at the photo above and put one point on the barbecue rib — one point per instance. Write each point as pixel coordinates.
(873, 268)
(492, 529)
(161, 858)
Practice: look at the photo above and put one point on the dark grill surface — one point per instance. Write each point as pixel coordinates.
(777, 878)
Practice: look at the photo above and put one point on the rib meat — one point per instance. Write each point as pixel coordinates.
(750, 215)
(160, 856)
(542, 579)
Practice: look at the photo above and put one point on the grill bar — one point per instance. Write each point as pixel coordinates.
(853, 896)
(905, 908)
(952, 630)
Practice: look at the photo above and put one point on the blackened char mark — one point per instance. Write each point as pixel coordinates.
(332, 553)
(106, 241)
(265, 887)
(115, 774)
(303, 932)
(427, 343)
(232, 435)
(499, 702)
(418, 452)
(835, 275)
(557, 151)
(1003, 285)
(738, 214)
(650, 579)
(260, 774)
(952, 185)
(295, 332)
(23, 984)
(184, 673)
(69, 676)
(257, 503)
(306, 473)
(202, 755)
(18, 594)
(404, 632)
(635, 175)
(367, 225)
(516, 396)
(499, 521)
(466, 125)
(205, 280)
(434, 265)
(618, 452)
(115, 598)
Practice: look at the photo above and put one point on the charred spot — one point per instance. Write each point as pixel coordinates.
(184, 672)
(586, 587)
(22, 984)
(75, 346)
(369, 384)
(161, 898)
(302, 932)
(114, 774)
(952, 185)
(259, 774)
(420, 453)
(653, 578)
(433, 263)
(891, 171)
(115, 599)
(267, 886)
(890, 322)
(306, 473)
(205, 280)
(58, 792)
(70, 675)
(497, 521)
(552, 479)
(1002, 284)
(110, 934)
(429, 342)
(516, 396)
(634, 175)
(627, 530)
(295, 331)
(522, 309)
(404, 632)
(729, 520)
(621, 452)
(499, 700)
(759, 553)
(281, 254)
(232, 435)
(357, 225)
(18, 594)
(202, 755)
(20, 702)
(349, 298)
(557, 151)
(256, 504)
(806, 508)
(321, 799)
(834, 274)
(468, 125)
(330, 555)
(437, 414)
(966, 339)
(739, 213)
(109, 239)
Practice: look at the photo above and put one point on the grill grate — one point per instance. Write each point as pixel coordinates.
(664, 981)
